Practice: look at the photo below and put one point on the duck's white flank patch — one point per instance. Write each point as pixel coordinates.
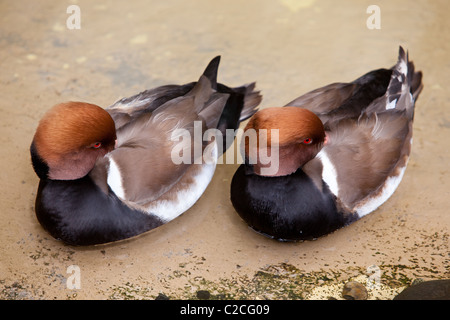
(329, 174)
(389, 188)
(169, 210)
(114, 179)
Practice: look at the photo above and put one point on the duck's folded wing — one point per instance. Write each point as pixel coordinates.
(325, 99)
(126, 109)
(363, 154)
(143, 161)
(345, 100)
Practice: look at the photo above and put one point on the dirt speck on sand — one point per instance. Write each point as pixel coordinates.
(289, 48)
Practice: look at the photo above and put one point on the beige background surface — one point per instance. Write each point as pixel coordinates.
(289, 47)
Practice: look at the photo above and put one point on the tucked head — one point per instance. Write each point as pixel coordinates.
(70, 137)
(298, 137)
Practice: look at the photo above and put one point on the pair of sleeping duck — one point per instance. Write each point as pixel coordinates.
(107, 174)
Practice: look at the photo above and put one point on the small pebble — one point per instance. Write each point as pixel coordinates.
(203, 294)
(354, 291)
(162, 296)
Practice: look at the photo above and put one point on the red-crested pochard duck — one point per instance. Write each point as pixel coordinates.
(108, 174)
(341, 152)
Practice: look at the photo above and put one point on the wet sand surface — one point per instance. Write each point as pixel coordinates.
(289, 47)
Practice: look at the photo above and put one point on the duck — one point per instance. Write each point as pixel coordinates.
(340, 152)
(109, 174)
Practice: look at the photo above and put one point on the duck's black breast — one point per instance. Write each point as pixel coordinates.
(285, 208)
(79, 213)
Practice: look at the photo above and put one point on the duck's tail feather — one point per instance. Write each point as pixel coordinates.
(404, 76)
(211, 71)
(242, 103)
(404, 87)
(399, 80)
(415, 81)
(252, 99)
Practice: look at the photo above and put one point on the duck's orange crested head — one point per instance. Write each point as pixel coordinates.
(298, 137)
(71, 136)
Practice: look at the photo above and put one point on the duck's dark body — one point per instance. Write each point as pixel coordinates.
(79, 213)
(286, 207)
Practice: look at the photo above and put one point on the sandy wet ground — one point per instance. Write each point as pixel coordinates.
(289, 47)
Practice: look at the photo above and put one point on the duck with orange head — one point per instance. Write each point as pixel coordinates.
(108, 174)
(342, 152)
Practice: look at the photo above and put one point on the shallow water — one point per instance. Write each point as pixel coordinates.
(289, 47)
